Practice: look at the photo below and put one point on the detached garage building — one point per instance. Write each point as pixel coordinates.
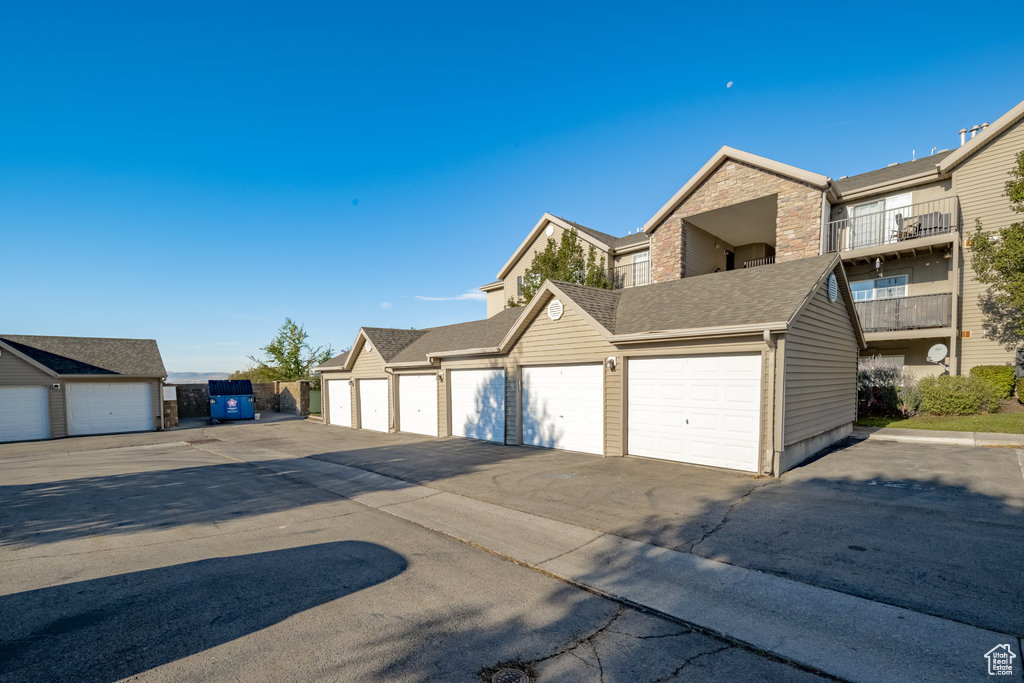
(51, 387)
(751, 370)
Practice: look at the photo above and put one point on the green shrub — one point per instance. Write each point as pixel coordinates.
(1020, 390)
(1002, 377)
(885, 390)
(958, 395)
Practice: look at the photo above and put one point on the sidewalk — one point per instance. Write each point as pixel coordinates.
(936, 436)
(824, 630)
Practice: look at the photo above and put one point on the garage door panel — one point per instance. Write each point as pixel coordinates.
(109, 408)
(417, 404)
(563, 407)
(478, 404)
(24, 413)
(697, 409)
(373, 404)
(339, 406)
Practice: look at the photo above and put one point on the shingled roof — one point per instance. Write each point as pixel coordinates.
(91, 355)
(749, 296)
(476, 334)
(390, 341)
(889, 174)
(610, 240)
(336, 362)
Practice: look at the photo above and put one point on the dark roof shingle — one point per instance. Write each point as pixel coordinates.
(889, 174)
(390, 341)
(749, 296)
(610, 240)
(476, 334)
(91, 355)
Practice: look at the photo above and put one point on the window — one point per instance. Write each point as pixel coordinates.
(519, 286)
(875, 222)
(879, 288)
(641, 268)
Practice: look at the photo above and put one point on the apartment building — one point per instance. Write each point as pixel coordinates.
(902, 232)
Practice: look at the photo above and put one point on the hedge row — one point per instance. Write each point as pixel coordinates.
(1001, 377)
(958, 395)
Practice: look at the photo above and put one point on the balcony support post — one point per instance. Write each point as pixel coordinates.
(954, 339)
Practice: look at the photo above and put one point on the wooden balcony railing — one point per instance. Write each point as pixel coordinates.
(905, 313)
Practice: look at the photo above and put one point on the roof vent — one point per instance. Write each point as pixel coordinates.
(555, 309)
(895, 163)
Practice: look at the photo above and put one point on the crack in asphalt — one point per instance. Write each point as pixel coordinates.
(588, 641)
(725, 517)
(690, 661)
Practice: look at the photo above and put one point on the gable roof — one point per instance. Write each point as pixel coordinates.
(720, 158)
(975, 144)
(336, 362)
(925, 166)
(595, 237)
(762, 297)
(89, 355)
(389, 340)
(472, 335)
(733, 302)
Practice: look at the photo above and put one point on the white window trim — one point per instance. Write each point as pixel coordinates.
(906, 287)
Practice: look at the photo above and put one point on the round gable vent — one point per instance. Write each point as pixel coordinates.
(555, 309)
(833, 287)
(369, 346)
(550, 231)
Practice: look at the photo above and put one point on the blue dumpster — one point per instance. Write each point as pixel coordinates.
(231, 399)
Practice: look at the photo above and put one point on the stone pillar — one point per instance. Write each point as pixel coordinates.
(668, 250)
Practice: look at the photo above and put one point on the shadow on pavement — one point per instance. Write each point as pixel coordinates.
(118, 626)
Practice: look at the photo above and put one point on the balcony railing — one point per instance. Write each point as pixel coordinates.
(753, 263)
(905, 313)
(631, 274)
(941, 216)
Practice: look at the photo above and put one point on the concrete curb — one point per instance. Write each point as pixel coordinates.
(935, 436)
(824, 630)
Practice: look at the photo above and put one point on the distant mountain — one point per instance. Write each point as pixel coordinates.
(193, 377)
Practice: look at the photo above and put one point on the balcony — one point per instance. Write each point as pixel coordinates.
(905, 313)
(895, 226)
(630, 275)
(754, 263)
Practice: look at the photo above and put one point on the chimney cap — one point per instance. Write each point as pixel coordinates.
(962, 131)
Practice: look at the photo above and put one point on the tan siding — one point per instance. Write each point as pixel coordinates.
(368, 364)
(702, 256)
(58, 413)
(820, 370)
(539, 244)
(495, 302)
(16, 372)
(979, 182)
(928, 274)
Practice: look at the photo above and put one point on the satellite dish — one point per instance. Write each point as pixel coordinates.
(937, 353)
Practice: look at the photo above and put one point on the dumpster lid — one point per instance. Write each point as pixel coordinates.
(230, 387)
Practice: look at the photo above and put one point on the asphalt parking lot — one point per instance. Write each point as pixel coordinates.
(142, 556)
(157, 555)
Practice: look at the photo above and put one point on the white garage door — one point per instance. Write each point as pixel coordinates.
(697, 409)
(478, 404)
(24, 414)
(563, 407)
(98, 408)
(417, 404)
(339, 402)
(373, 404)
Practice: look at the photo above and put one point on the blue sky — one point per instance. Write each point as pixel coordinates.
(195, 172)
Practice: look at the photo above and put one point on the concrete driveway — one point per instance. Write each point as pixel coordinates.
(932, 528)
(185, 555)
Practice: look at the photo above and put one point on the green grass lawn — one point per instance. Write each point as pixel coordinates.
(1011, 423)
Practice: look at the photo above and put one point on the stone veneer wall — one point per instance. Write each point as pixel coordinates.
(170, 414)
(797, 222)
(293, 397)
